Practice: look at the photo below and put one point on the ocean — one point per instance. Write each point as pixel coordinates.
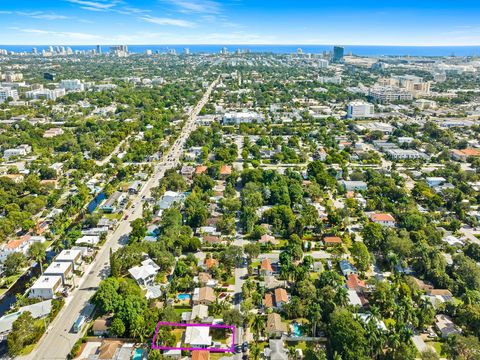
(362, 50)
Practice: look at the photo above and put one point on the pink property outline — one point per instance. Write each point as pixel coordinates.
(161, 323)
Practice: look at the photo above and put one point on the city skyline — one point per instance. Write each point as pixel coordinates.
(85, 22)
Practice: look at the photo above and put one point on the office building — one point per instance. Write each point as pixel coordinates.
(388, 94)
(49, 76)
(6, 92)
(119, 50)
(72, 85)
(322, 63)
(186, 51)
(359, 109)
(12, 77)
(99, 50)
(338, 53)
(45, 94)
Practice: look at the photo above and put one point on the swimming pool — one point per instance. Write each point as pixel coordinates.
(138, 354)
(183, 297)
(296, 330)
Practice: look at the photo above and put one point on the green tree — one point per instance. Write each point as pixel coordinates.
(38, 252)
(117, 327)
(361, 256)
(347, 336)
(14, 262)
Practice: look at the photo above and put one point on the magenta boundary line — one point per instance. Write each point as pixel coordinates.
(162, 323)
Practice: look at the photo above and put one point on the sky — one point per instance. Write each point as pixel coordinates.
(283, 22)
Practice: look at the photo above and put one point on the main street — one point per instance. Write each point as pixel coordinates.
(58, 340)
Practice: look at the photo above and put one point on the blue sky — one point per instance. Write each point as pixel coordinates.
(374, 22)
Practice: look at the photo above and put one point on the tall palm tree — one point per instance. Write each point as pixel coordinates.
(37, 252)
(258, 327)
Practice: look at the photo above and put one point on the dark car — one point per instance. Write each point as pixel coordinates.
(238, 349)
(245, 347)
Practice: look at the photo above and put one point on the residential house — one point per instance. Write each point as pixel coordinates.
(275, 350)
(113, 202)
(225, 171)
(200, 355)
(198, 336)
(204, 295)
(145, 273)
(464, 154)
(45, 287)
(355, 283)
(201, 169)
(275, 326)
(445, 325)
(38, 310)
(266, 267)
(73, 256)
(347, 268)
(383, 219)
(354, 185)
(332, 240)
(281, 297)
(268, 239)
(438, 296)
(62, 269)
(101, 326)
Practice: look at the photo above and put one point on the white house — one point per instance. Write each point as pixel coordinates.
(73, 256)
(62, 269)
(45, 287)
(198, 336)
(144, 274)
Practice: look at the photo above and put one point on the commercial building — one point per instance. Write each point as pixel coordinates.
(360, 109)
(6, 92)
(338, 53)
(52, 132)
(21, 150)
(45, 94)
(72, 85)
(242, 118)
(388, 94)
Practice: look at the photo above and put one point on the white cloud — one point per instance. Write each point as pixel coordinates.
(167, 21)
(197, 6)
(94, 5)
(62, 34)
(42, 15)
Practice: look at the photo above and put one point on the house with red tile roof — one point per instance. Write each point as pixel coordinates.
(266, 267)
(384, 219)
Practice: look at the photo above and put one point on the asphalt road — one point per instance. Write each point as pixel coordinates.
(58, 339)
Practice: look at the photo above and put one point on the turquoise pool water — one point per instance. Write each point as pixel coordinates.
(138, 354)
(296, 330)
(183, 297)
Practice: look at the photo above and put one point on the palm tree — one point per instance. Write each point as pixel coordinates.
(58, 246)
(37, 252)
(341, 296)
(258, 326)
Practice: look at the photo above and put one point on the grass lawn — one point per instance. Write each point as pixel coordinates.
(216, 356)
(27, 349)
(437, 345)
(114, 216)
(231, 280)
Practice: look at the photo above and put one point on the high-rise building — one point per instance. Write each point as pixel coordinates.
(186, 51)
(148, 52)
(338, 52)
(34, 51)
(299, 51)
(72, 85)
(99, 50)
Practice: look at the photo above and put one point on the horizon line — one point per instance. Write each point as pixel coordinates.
(237, 44)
